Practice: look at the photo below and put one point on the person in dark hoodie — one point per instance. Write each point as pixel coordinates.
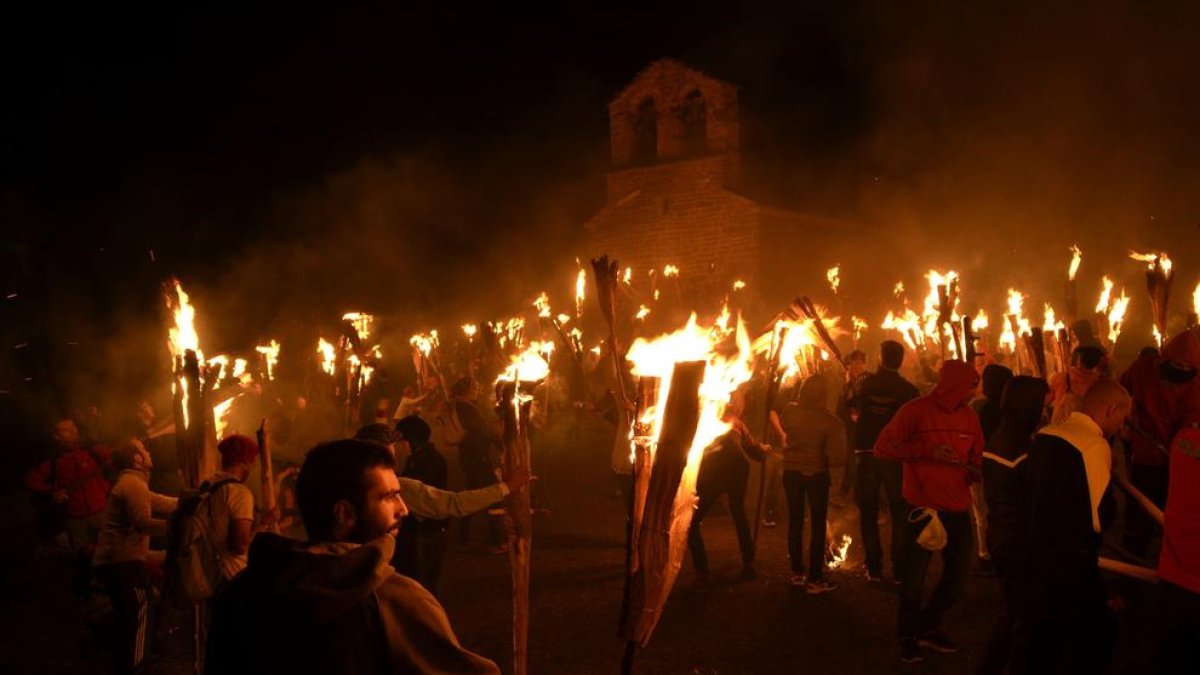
(938, 439)
(810, 435)
(1006, 491)
(879, 397)
(333, 604)
(724, 471)
(1063, 623)
(987, 406)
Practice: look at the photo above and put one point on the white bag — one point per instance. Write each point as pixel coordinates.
(933, 535)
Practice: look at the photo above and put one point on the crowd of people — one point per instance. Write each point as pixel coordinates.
(1003, 473)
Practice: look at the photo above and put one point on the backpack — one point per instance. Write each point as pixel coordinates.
(192, 565)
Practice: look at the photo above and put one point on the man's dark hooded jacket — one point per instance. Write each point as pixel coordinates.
(1005, 482)
(331, 608)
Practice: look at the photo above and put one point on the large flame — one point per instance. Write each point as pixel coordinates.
(270, 352)
(980, 322)
(221, 415)
(362, 323)
(542, 303)
(1116, 317)
(580, 289)
(1076, 258)
(1153, 261)
(908, 324)
(529, 366)
(183, 336)
(838, 552)
(469, 330)
(328, 356)
(425, 342)
(1105, 301)
(1051, 324)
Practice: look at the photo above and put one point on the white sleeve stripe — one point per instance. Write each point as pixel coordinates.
(1004, 462)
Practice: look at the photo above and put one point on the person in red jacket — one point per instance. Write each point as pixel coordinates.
(1160, 386)
(75, 481)
(939, 440)
(1179, 560)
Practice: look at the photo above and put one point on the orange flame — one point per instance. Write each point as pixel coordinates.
(1153, 261)
(739, 285)
(839, 551)
(670, 271)
(469, 329)
(1105, 302)
(642, 313)
(328, 356)
(270, 352)
(832, 275)
(1116, 317)
(1076, 259)
(362, 323)
(542, 303)
(528, 366)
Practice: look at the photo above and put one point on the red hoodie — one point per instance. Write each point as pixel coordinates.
(79, 474)
(923, 424)
(1158, 405)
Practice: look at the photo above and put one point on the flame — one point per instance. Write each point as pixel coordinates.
(980, 322)
(580, 289)
(542, 303)
(1154, 261)
(908, 323)
(546, 348)
(424, 342)
(362, 323)
(644, 311)
(1105, 301)
(898, 289)
(670, 271)
(469, 329)
(934, 328)
(722, 322)
(656, 295)
(838, 552)
(528, 366)
(657, 358)
(1157, 335)
(859, 325)
(1116, 316)
(221, 415)
(1076, 258)
(183, 336)
(271, 352)
(739, 285)
(628, 276)
(239, 371)
(328, 356)
(220, 362)
(1051, 324)
(564, 319)
(1196, 300)
(799, 350)
(832, 275)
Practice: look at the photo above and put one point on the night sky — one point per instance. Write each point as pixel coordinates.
(401, 157)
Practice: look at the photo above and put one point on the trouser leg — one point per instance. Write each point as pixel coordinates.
(773, 483)
(956, 566)
(868, 512)
(741, 524)
(128, 588)
(695, 541)
(818, 505)
(793, 486)
(891, 476)
(912, 582)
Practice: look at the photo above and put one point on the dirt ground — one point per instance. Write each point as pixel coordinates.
(728, 627)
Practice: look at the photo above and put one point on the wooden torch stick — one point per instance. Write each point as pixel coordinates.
(266, 472)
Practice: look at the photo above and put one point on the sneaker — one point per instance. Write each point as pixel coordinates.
(799, 579)
(820, 586)
(937, 641)
(910, 652)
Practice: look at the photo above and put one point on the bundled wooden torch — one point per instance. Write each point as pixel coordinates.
(1159, 278)
(195, 435)
(514, 396)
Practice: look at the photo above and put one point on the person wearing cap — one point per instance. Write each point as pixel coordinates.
(231, 519)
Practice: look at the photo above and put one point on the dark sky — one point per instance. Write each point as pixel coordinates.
(414, 157)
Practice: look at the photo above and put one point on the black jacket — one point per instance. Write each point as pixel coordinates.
(881, 395)
(1005, 472)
